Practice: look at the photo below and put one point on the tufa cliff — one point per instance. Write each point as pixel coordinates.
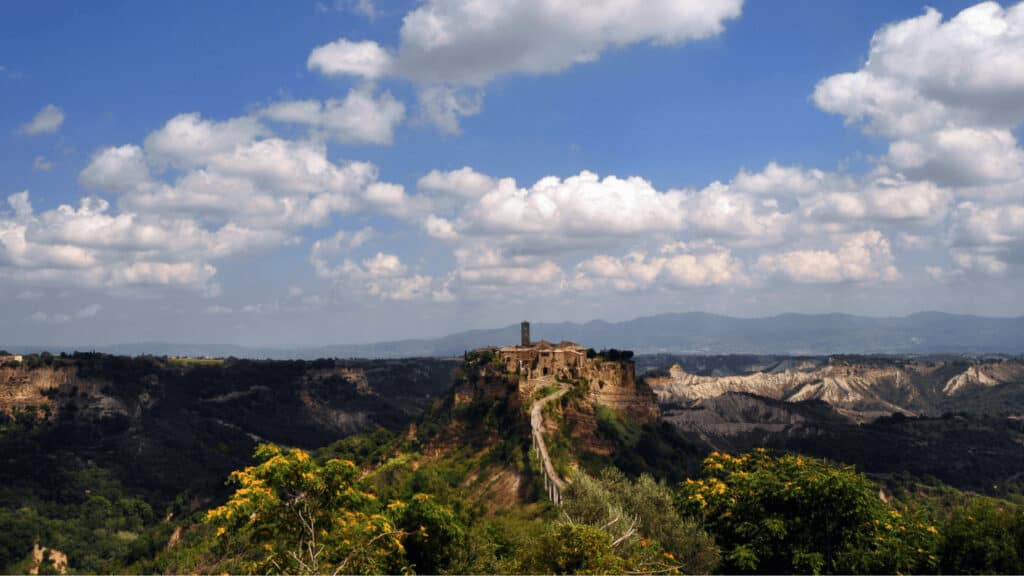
(609, 378)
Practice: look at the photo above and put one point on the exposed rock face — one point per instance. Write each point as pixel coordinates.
(862, 390)
(612, 383)
(167, 425)
(983, 376)
(21, 388)
(58, 559)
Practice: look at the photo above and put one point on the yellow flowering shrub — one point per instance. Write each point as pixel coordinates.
(291, 514)
(798, 514)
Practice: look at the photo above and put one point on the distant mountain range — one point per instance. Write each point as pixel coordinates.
(686, 333)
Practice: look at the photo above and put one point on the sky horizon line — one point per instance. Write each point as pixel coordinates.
(316, 171)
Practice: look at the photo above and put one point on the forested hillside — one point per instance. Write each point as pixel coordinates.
(119, 465)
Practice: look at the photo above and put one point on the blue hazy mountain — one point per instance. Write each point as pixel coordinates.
(687, 333)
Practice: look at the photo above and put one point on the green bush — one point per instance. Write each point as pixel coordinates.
(984, 537)
(799, 514)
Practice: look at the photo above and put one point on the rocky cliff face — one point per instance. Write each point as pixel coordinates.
(24, 389)
(862, 390)
(955, 419)
(614, 384)
(610, 381)
(168, 425)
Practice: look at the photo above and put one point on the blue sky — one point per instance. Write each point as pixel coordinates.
(325, 172)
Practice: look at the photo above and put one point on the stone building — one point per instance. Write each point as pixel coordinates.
(610, 382)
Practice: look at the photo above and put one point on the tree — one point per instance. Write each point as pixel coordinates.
(293, 515)
(641, 522)
(434, 534)
(984, 537)
(799, 514)
(571, 548)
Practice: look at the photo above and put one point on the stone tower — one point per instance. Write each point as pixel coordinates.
(524, 332)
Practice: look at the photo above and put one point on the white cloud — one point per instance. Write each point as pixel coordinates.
(898, 199)
(674, 267)
(948, 93)
(864, 257)
(447, 46)
(779, 180)
(46, 121)
(440, 228)
(382, 276)
(342, 57)
(163, 273)
(118, 169)
(444, 106)
(189, 140)
(968, 260)
(977, 225)
(257, 183)
(472, 43)
(484, 272)
(581, 206)
(720, 211)
(464, 182)
(960, 155)
(360, 117)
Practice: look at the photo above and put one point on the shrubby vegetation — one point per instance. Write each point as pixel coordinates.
(799, 514)
(418, 500)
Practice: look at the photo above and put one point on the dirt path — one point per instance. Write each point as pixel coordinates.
(552, 483)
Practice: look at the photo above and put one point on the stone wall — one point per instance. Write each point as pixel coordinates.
(610, 382)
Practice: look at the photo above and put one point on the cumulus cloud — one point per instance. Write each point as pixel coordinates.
(343, 57)
(773, 206)
(864, 257)
(381, 276)
(197, 190)
(973, 260)
(87, 246)
(675, 266)
(256, 182)
(189, 140)
(948, 93)
(360, 117)
(46, 121)
(485, 272)
(584, 206)
(444, 106)
(464, 182)
(447, 46)
(440, 228)
(988, 226)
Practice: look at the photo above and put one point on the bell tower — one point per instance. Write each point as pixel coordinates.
(524, 332)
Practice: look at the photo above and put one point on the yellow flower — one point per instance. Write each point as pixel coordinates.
(933, 530)
(221, 531)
